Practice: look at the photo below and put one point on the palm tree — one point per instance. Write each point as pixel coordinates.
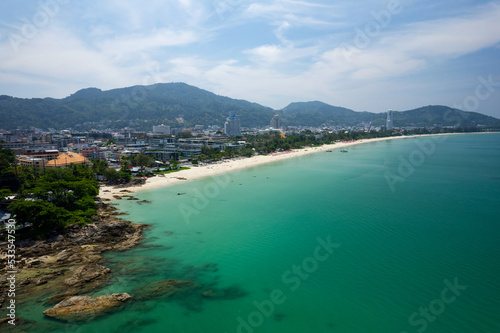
(125, 163)
(174, 164)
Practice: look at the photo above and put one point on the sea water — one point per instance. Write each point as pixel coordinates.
(392, 236)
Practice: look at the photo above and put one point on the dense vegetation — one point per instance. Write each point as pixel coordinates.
(181, 105)
(52, 199)
(8, 180)
(316, 113)
(265, 144)
(55, 198)
(174, 104)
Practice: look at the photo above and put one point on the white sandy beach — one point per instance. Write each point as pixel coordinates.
(209, 170)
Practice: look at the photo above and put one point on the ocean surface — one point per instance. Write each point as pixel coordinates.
(393, 236)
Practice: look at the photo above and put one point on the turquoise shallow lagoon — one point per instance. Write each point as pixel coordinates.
(413, 227)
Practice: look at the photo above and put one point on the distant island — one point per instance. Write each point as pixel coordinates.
(182, 105)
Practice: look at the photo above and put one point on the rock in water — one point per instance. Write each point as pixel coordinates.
(87, 273)
(82, 308)
(163, 288)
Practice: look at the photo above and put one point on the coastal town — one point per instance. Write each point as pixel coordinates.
(164, 145)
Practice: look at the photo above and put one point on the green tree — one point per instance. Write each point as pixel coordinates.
(124, 175)
(99, 166)
(44, 216)
(207, 151)
(4, 193)
(143, 160)
(184, 135)
(229, 152)
(8, 170)
(111, 175)
(110, 142)
(125, 162)
(174, 164)
(7, 158)
(59, 197)
(114, 176)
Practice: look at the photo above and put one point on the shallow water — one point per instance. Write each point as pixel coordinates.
(255, 242)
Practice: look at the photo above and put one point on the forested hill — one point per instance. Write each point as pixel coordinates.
(175, 104)
(314, 113)
(182, 105)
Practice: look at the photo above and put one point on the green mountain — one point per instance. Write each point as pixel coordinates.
(175, 104)
(316, 113)
(443, 116)
(182, 105)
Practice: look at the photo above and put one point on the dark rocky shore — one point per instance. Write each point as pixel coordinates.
(68, 264)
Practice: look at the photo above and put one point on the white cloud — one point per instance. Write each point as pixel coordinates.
(452, 36)
(57, 56)
(144, 42)
(270, 55)
(416, 45)
(185, 67)
(279, 7)
(258, 9)
(100, 30)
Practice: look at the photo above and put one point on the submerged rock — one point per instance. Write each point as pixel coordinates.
(5, 323)
(82, 308)
(163, 288)
(228, 293)
(87, 273)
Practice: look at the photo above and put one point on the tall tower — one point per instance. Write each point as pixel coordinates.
(275, 122)
(232, 126)
(389, 123)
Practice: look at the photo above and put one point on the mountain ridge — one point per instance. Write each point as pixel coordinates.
(182, 105)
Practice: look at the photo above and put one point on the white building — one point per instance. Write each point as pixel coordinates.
(389, 123)
(275, 122)
(161, 129)
(232, 126)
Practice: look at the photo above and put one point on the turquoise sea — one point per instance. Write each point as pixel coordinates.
(393, 236)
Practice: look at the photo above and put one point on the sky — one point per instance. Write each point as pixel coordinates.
(365, 55)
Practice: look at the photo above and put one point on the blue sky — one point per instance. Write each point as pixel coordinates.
(365, 55)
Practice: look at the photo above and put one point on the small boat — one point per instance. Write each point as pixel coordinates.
(343, 151)
(329, 151)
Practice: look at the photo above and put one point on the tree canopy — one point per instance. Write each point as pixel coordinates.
(55, 199)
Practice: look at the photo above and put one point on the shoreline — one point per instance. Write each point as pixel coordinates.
(109, 193)
(69, 262)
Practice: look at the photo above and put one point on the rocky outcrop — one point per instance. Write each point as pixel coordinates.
(66, 263)
(82, 308)
(88, 277)
(139, 181)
